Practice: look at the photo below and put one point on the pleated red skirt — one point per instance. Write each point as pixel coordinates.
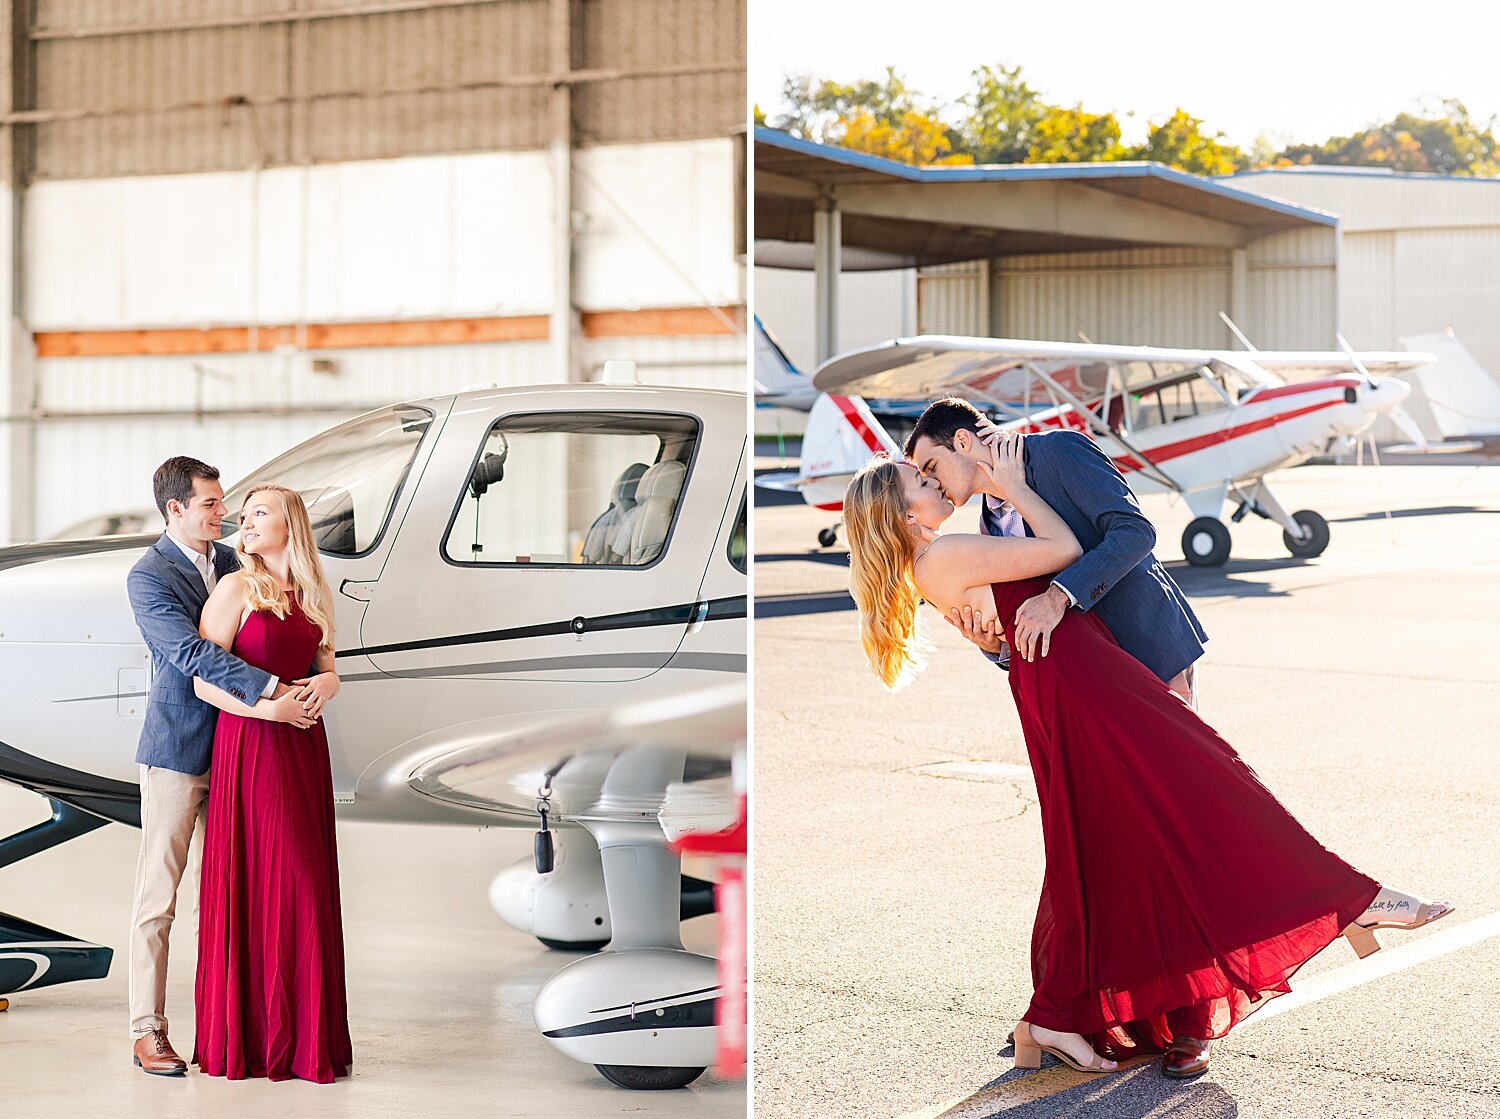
(1179, 895)
(270, 989)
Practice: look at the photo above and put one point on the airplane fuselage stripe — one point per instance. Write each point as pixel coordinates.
(680, 614)
(688, 1015)
(856, 421)
(1169, 451)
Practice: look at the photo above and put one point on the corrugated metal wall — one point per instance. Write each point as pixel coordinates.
(1292, 297)
(954, 298)
(1161, 297)
(873, 306)
(1420, 253)
(150, 86)
(194, 164)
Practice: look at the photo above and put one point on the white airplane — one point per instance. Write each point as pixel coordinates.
(842, 435)
(499, 558)
(1461, 394)
(1208, 425)
(780, 384)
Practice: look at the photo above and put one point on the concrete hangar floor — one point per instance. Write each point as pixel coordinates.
(440, 993)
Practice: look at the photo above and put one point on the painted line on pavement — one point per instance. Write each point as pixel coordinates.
(1388, 961)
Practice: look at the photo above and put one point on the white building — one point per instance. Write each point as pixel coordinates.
(229, 231)
(1373, 254)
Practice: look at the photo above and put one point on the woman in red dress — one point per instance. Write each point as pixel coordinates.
(1177, 898)
(270, 995)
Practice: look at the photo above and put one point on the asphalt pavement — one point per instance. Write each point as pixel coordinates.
(898, 849)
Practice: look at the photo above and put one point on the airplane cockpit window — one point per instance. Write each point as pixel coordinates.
(1173, 393)
(348, 477)
(575, 488)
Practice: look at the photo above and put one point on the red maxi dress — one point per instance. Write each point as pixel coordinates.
(270, 990)
(1178, 894)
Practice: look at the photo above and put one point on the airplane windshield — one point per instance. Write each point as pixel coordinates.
(348, 476)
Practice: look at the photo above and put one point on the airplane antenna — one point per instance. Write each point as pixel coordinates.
(1238, 333)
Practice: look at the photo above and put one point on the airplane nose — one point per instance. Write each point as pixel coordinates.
(1384, 395)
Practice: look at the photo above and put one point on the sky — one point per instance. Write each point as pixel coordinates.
(1296, 72)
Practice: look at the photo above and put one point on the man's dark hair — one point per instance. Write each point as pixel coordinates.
(941, 420)
(174, 479)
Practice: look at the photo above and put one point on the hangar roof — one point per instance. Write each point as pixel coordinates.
(895, 215)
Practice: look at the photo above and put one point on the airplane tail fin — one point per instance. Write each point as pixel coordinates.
(775, 375)
(1463, 396)
(842, 435)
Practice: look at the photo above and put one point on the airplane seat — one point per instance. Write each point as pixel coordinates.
(1116, 413)
(657, 496)
(596, 545)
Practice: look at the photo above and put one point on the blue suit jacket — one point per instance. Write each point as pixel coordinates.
(1117, 576)
(167, 596)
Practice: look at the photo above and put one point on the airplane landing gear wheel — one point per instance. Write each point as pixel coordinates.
(645, 1078)
(1317, 540)
(573, 945)
(1205, 542)
(827, 538)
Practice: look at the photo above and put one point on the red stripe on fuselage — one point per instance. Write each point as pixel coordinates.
(1279, 391)
(857, 421)
(1188, 446)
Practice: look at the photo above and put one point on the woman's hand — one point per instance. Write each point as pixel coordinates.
(1007, 462)
(315, 691)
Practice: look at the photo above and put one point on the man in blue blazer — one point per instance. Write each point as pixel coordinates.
(1117, 575)
(168, 587)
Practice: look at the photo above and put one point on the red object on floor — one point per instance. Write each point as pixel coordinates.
(729, 848)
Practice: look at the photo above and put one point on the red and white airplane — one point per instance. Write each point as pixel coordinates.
(842, 435)
(1208, 425)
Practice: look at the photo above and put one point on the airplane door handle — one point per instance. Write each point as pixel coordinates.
(357, 589)
(700, 615)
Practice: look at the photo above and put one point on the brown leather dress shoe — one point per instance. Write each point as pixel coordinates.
(154, 1054)
(1185, 1058)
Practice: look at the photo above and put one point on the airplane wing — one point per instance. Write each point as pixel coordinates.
(993, 369)
(789, 481)
(1304, 365)
(1006, 369)
(620, 762)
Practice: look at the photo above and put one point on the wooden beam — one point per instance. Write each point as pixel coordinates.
(654, 322)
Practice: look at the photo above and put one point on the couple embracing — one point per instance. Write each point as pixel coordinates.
(1178, 894)
(241, 644)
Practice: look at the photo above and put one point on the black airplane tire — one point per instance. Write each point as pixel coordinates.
(1315, 543)
(647, 1078)
(1210, 553)
(827, 538)
(573, 945)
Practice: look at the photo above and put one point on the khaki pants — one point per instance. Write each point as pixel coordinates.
(172, 807)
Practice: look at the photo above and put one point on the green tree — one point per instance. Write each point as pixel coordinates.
(883, 117)
(1003, 114)
(1450, 143)
(1180, 142)
(820, 109)
(1075, 136)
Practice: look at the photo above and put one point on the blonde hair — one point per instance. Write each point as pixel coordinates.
(881, 550)
(263, 590)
